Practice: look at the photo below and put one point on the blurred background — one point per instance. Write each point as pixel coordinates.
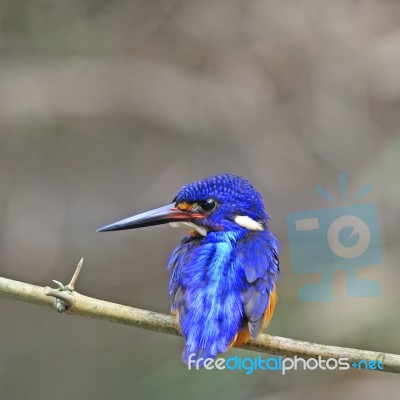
(108, 107)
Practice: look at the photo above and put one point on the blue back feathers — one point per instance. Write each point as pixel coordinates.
(222, 281)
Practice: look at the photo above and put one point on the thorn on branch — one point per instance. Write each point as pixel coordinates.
(64, 294)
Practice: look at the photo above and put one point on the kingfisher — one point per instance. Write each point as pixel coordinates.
(224, 272)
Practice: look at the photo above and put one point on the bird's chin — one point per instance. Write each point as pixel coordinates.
(184, 224)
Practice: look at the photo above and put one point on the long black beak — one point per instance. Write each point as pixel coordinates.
(162, 215)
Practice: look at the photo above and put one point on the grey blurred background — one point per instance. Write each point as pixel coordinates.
(108, 107)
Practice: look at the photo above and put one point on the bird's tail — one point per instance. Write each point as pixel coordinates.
(198, 356)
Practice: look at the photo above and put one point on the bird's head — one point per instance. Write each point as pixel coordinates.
(218, 203)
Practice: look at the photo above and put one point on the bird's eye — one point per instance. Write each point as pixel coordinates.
(208, 205)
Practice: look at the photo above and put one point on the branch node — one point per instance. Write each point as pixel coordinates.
(64, 294)
(64, 299)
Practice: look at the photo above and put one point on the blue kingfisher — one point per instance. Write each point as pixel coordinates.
(224, 271)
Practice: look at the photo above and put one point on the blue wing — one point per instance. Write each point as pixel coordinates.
(258, 256)
(176, 262)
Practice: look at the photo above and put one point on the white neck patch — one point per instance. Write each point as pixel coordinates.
(199, 229)
(248, 223)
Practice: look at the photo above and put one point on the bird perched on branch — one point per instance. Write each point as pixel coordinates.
(224, 272)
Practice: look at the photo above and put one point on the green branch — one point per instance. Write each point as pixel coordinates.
(65, 299)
